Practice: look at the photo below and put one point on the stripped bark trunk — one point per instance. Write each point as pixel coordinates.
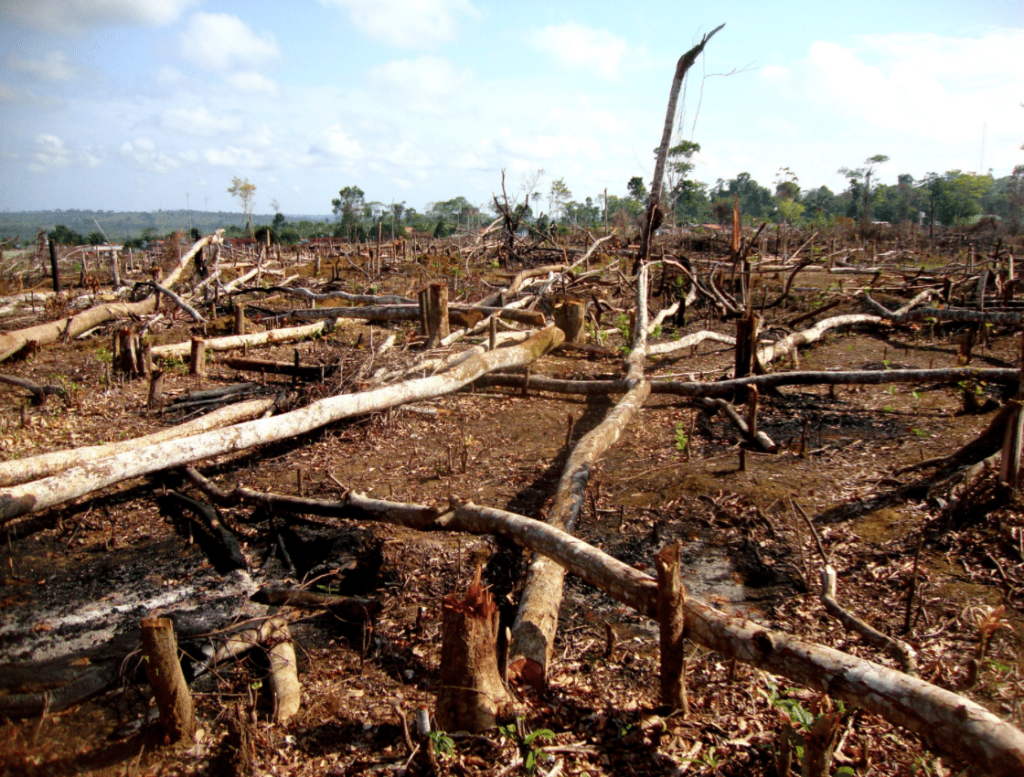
(533, 633)
(237, 342)
(45, 464)
(79, 481)
(284, 675)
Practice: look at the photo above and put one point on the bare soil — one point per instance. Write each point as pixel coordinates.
(128, 552)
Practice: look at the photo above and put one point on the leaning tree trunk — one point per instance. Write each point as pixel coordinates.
(654, 201)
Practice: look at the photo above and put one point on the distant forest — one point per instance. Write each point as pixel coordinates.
(123, 227)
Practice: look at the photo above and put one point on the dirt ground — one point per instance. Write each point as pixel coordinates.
(673, 475)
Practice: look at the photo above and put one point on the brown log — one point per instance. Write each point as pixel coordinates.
(160, 659)
(671, 629)
(78, 481)
(305, 371)
(470, 696)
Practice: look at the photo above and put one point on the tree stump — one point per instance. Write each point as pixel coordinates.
(434, 313)
(671, 624)
(569, 315)
(197, 364)
(471, 696)
(173, 699)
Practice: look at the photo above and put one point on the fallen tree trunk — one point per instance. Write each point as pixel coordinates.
(533, 634)
(45, 464)
(12, 342)
(79, 481)
(769, 353)
(237, 342)
(953, 723)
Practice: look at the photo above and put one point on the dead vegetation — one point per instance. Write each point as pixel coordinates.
(888, 479)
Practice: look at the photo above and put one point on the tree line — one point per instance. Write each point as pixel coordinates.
(953, 198)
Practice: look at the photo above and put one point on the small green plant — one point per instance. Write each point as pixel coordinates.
(710, 760)
(529, 747)
(915, 394)
(657, 332)
(441, 743)
(888, 409)
(682, 439)
(104, 355)
(622, 324)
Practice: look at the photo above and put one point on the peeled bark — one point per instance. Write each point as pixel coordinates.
(79, 481)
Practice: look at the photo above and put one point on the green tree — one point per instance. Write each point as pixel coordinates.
(688, 198)
(637, 189)
(347, 207)
(245, 192)
(860, 184)
(61, 235)
(959, 197)
(95, 239)
(557, 198)
(755, 200)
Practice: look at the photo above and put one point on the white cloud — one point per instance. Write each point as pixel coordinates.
(197, 122)
(145, 153)
(578, 46)
(774, 73)
(426, 83)
(407, 24)
(66, 16)
(51, 151)
(221, 42)
(55, 66)
(10, 95)
(335, 143)
(235, 157)
(252, 82)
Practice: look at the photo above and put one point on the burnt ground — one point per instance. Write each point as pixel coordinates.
(75, 577)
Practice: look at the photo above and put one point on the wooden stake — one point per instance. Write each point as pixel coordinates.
(173, 699)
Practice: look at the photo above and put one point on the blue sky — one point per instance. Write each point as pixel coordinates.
(147, 104)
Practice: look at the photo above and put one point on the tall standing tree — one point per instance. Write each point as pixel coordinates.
(860, 183)
(245, 192)
(347, 208)
(557, 198)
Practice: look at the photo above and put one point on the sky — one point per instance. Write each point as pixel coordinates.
(158, 104)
